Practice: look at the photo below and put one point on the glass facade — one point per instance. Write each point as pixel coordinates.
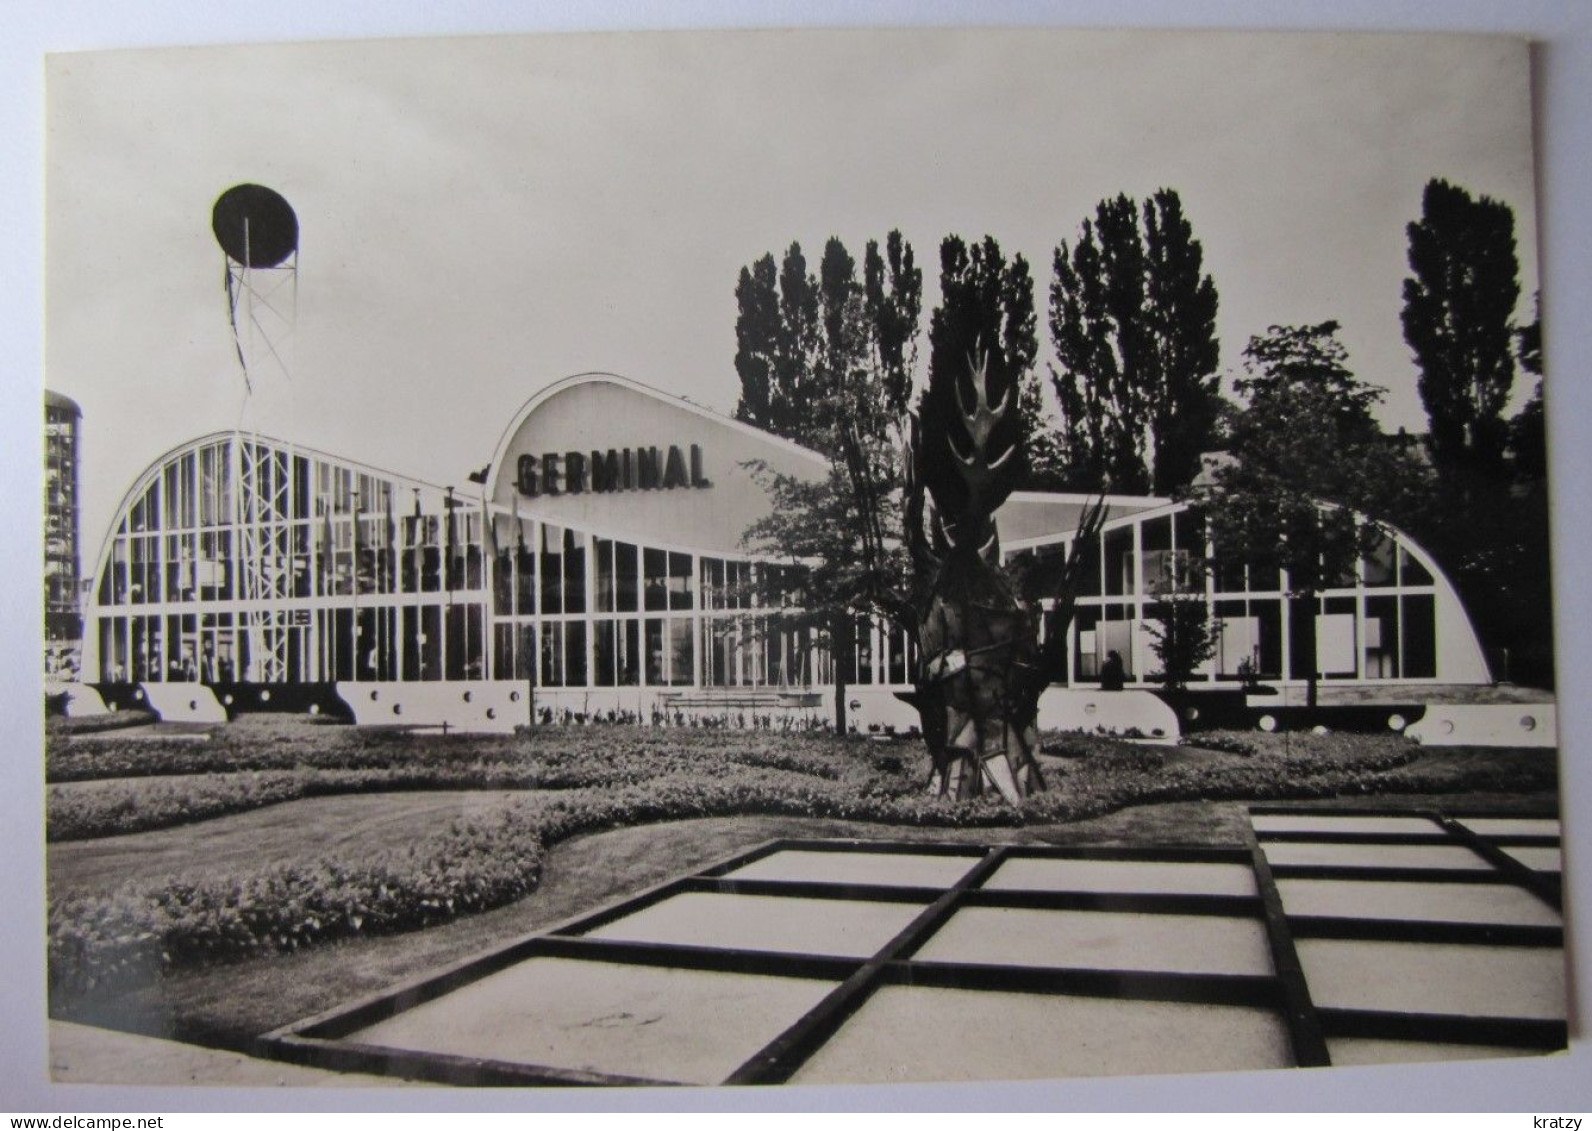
(1380, 623)
(237, 559)
(63, 622)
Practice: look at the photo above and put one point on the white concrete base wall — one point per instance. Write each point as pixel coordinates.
(1139, 714)
(639, 704)
(468, 706)
(1487, 724)
(184, 702)
(82, 700)
(1060, 708)
(877, 710)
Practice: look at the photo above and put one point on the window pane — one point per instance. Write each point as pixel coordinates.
(680, 587)
(1412, 572)
(603, 653)
(681, 651)
(1382, 637)
(575, 574)
(1119, 561)
(656, 569)
(655, 656)
(575, 654)
(1379, 562)
(603, 568)
(625, 577)
(1420, 637)
(553, 655)
(524, 570)
(552, 569)
(713, 594)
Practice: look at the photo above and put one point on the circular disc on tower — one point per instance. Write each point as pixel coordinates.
(255, 225)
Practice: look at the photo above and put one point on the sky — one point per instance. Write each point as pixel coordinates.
(482, 216)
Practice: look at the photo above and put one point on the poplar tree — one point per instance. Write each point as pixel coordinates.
(777, 338)
(1133, 321)
(1459, 306)
(843, 352)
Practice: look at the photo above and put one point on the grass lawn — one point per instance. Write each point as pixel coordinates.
(196, 930)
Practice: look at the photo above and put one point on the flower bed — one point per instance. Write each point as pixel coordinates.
(150, 926)
(545, 758)
(624, 778)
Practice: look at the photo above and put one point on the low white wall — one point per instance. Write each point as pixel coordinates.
(1137, 714)
(184, 702)
(82, 700)
(473, 706)
(1140, 714)
(873, 710)
(640, 704)
(1487, 724)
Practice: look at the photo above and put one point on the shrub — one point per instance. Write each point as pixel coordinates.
(173, 922)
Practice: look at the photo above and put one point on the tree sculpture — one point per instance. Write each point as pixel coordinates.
(980, 673)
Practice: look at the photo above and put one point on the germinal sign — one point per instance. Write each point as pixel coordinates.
(617, 469)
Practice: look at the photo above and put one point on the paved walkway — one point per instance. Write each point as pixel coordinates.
(83, 1054)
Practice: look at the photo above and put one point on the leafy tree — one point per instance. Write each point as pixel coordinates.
(1133, 319)
(1182, 635)
(1490, 525)
(893, 297)
(1312, 474)
(848, 403)
(1528, 431)
(1459, 307)
(777, 340)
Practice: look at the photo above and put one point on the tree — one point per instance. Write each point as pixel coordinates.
(1182, 634)
(1133, 320)
(1312, 476)
(1528, 431)
(849, 404)
(777, 339)
(1490, 527)
(1459, 307)
(893, 294)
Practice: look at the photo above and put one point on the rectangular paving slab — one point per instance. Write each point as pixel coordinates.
(1538, 859)
(1371, 1050)
(892, 869)
(1422, 902)
(1334, 823)
(1128, 876)
(1102, 940)
(1454, 856)
(689, 1026)
(844, 927)
(917, 1033)
(1452, 978)
(1511, 826)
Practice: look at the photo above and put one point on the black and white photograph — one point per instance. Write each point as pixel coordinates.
(856, 556)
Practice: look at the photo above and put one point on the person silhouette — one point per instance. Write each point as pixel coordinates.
(1112, 674)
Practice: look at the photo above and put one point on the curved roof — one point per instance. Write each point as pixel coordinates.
(52, 399)
(596, 377)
